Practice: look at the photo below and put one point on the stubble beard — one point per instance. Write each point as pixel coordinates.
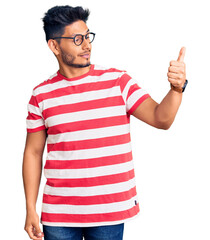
(68, 59)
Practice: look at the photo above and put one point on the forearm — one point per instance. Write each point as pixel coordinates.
(166, 111)
(32, 169)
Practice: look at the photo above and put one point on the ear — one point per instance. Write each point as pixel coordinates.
(54, 46)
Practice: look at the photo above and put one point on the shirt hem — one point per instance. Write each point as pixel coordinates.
(62, 224)
(138, 103)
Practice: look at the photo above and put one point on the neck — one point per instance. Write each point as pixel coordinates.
(72, 72)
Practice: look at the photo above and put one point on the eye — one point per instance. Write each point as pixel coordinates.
(78, 39)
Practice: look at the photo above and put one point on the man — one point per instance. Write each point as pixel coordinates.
(83, 111)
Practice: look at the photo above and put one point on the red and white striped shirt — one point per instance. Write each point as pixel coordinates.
(89, 165)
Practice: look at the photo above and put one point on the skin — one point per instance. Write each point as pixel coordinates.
(32, 170)
(162, 115)
(69, 56)
(66, 49)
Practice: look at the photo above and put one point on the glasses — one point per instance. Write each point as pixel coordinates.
(79, 38)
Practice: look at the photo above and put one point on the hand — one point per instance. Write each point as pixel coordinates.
(177, 71)
(32, 226)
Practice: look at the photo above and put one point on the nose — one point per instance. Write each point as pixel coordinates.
(86, 44)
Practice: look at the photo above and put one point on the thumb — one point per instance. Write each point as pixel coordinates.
(181, 54)
(38, 231)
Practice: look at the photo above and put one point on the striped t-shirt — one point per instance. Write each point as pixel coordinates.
(89, 165)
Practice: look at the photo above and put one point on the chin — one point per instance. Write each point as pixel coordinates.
(81, 65)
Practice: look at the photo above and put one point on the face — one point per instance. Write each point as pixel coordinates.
(70, 54)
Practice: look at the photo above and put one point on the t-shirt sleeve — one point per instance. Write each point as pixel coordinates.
(133, 95)
(34, 120)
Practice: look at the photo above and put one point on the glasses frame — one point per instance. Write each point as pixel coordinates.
(85, 35)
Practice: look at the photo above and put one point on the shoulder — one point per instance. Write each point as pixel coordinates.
(47, 83)
(110, 73)
(104, 69)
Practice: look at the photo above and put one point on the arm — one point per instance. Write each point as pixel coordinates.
(159, 115)
(31, 170)
(162, 115)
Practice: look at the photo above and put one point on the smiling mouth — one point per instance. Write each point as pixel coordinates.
(85, 55)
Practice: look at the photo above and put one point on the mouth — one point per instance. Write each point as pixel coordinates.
(85, 55)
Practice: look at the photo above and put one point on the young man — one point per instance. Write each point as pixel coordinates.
(83, 111)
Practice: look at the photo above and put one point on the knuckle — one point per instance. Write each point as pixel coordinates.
(179, 64)
(179, 82)
(182, 70)
(182, 65)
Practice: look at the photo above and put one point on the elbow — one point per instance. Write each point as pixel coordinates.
(166, 126)
(163, 125)
(163, 121)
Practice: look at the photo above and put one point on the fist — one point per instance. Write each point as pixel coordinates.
(177, 71)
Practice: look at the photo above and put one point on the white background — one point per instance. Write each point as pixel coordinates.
(142, 37)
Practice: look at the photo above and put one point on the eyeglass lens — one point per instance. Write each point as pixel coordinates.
(79, 38)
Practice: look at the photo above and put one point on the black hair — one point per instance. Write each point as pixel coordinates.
(58, 17)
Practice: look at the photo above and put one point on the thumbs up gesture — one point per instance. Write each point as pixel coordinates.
(177, 71)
